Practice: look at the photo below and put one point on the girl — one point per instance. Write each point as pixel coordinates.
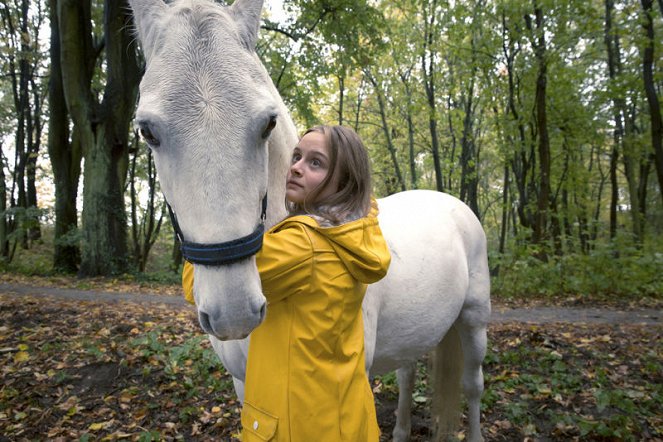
(306, 377)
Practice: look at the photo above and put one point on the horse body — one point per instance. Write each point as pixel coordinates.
(426, 286)
(206, 105)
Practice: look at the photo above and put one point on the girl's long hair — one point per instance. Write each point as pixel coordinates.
(349, 162)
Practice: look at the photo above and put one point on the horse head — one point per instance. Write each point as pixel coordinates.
(209, 112)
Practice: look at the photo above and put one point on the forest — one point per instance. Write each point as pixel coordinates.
(543, 116)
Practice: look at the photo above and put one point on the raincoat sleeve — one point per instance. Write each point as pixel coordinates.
(187, 282)
(284, 264)
(285, 261)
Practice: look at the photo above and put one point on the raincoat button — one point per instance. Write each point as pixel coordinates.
(255, 425)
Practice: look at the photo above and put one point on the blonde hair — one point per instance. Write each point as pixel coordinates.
(349, 162)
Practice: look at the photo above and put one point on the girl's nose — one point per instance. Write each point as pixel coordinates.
(295, 168)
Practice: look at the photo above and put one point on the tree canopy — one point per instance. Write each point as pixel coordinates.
(543, 116)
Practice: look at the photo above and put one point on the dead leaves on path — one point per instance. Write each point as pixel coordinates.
(126, 283)
(75, 370)
(574, 382)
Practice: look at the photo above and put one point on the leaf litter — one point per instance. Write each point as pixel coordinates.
(79, 370)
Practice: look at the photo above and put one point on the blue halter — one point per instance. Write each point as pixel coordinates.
(225, 252)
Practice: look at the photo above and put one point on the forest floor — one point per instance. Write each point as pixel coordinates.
(108, 360)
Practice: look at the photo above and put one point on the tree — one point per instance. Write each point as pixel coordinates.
(470, 47)
(386, 130)
(22, 63)
(655, 121)
(538, 42)
(65, 154)
(428, 55)
(144, 228)
(103, 127)
(625, 97)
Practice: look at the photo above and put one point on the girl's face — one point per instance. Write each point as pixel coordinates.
(309, 166)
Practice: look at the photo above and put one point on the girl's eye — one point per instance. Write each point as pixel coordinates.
(316, 163)
(296, 157)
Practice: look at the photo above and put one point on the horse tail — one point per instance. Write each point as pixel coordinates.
(445, 377)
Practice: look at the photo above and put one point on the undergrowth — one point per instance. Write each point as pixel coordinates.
(616, 271)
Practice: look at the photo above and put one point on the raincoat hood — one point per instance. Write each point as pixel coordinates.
(359, 245)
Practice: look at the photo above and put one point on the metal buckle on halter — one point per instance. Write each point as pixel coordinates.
(223, 253)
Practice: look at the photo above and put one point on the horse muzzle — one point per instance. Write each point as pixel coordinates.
(229, 299)
(225, 329)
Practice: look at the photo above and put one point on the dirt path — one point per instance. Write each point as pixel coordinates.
(533, 315)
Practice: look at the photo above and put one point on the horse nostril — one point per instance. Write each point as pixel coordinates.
(263, 311)
(203, 318)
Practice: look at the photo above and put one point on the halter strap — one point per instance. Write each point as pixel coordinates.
(221, 253)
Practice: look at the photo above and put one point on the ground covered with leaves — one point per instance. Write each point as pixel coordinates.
(75, 370)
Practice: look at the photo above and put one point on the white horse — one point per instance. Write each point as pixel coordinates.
(222, 140)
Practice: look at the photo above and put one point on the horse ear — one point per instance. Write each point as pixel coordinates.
(146, 15)
(247, 14)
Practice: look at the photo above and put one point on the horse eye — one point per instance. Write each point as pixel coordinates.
(271, 124)
(148, 136)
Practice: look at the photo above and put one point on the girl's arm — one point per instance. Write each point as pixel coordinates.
(284, 264)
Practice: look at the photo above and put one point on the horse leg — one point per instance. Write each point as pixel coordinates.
(472, 325)
(406, 376)
(474, 342)
(239, 389)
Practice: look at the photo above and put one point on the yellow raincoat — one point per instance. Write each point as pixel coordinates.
(306, 379)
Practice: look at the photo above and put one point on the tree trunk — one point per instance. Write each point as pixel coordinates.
(624, 146)
(22, 108)
(650, 90)
(450, 147)
(176, 255)
(34, 231)
(612, 45)
(385, 129)
(469, 179)
(427, 65)
(23, 59)
(632, 168)
(405, 78)
(103, 128)
(543, 199)
(599, 204)
(341, 93)
(360, 99)
(65, 160)
(152, 226)
(4, 244)
(505, 209)
(520, 164)
(34, 145)
(146, 230)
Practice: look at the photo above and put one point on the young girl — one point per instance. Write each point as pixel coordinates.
(306, 378)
